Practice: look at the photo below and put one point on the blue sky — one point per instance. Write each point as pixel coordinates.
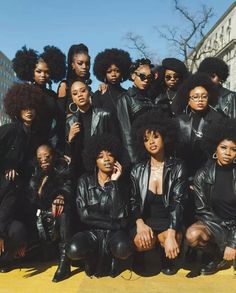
(99, 24)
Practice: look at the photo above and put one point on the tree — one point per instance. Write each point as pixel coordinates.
(188, 40)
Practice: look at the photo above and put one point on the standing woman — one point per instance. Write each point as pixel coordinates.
(174, 73)
(196, 96)
(159, 187)
(112, 68)
(41, 70)
(78, 66)
(133, 103)
(18, 142)
(215, 198)
(102, 205)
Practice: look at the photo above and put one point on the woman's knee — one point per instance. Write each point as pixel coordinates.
(78, 247)
(122, 249)
(194, 236)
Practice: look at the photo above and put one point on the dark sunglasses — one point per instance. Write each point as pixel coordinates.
(143, 77)
(169, 77)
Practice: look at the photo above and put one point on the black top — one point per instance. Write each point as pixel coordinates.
(224, 198)
(155, 214)
(85, 119)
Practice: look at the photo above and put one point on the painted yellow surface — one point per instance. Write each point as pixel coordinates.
(38, 280)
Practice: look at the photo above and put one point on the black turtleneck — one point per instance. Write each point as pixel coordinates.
(224, 197)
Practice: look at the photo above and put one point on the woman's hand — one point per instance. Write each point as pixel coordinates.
(117, 171)
(11, 174)
(229, 253)
(2, 248)
(144, 234)
(171, 245)
(103, 88)
(74, 130)
(58, 206)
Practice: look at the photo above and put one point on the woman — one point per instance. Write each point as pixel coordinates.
(102, 207)
(112, 68)
(218, 71)
(215, 198)
(174, 74)
(18, 142)
(133, 103)
(196, 96)
(78, 66)
(159, 187)
(50, 198)
(41, 70)
(83, 123)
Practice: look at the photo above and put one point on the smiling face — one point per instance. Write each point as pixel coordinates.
(80, 95)
(142, 77)
(105, 162)
(113, 74)
(41, 73)
(45, 157)
(154, 143)
(81, 64)
(198, 99)
(27, 116)
(226, 152)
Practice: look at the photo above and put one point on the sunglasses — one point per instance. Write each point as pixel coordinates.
(143, 77)
(169, 77)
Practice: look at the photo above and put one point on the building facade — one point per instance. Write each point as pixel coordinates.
(7, 77)
(220, 42)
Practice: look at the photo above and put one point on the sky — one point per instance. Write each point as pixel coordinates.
(99, 24)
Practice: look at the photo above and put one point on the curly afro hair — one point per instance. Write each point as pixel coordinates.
(216, 132)
(74, 50)
(214, 65)
(108, 57)
(22, 96)
(25, 62)
(98, 143)
(158, 122)
(139, 62)
(195, 80)
(56, 61)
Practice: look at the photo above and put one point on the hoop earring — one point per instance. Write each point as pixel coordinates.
(214, 156)
(234, 161)
(72, 108)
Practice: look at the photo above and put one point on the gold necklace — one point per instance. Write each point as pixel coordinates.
(156, 171)
(171, 99)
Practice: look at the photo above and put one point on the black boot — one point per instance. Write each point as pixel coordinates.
(63, 271)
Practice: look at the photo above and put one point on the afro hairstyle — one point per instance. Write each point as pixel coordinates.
(156, 121)
(108, 57)
(56, 61)
(25, 62)
(216, 132)
(214, 65)
(195, 80)
(22, 96)
(74, 50)
(98, 143)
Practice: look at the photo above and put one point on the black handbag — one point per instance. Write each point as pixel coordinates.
(47, 226)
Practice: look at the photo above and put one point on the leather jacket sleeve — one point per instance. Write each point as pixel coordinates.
(178, 195)
(87, 198)
(135, 198)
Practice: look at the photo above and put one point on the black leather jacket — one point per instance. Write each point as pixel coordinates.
(101, 207)
(227, 102)
(174, 189)
(203, 187)
(58, 182)
(130, 105)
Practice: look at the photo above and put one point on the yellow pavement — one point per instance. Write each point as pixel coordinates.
(32, 280)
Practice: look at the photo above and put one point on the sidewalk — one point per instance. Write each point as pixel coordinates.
(30, 280)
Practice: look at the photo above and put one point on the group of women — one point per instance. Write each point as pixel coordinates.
(118, 173)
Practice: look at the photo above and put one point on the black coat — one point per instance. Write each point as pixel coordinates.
(101, 207)
(129, 106)
(203, 188)
(190, 149)
(174, 189)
